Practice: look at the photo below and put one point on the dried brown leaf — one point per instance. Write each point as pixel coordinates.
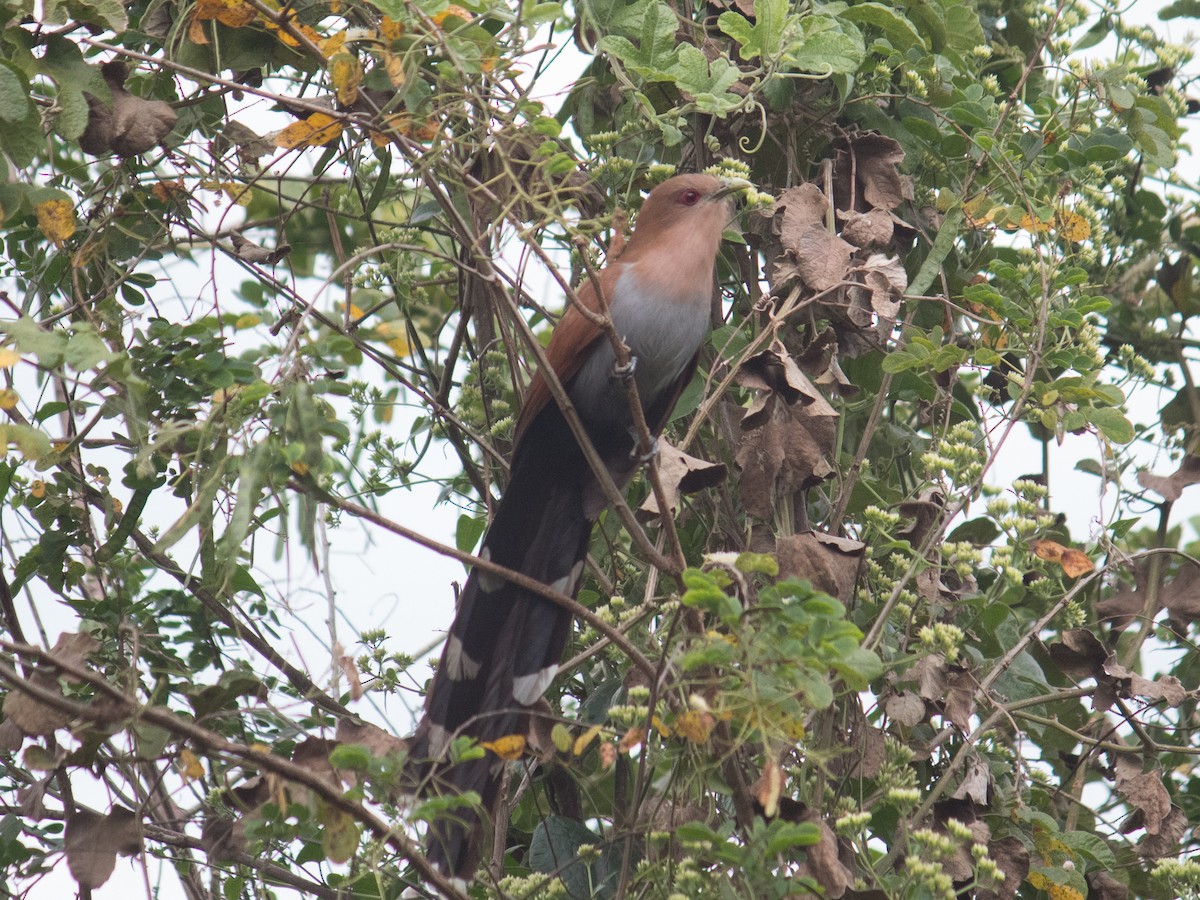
(871, 229)
(906, 708)
(680, 474)
(822, 863)
(1170, 487)
(92, 842)
(960, 699)
(830, 563)
(1103, 886)
(379, 742)
(1012, 858)
(1165, 841)
(1079, 654)
(33, 716)
(975, 783)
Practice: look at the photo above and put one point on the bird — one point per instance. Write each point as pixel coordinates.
(504, 646)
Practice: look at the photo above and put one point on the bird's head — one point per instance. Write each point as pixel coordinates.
(694, 207)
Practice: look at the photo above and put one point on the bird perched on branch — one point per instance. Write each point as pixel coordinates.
(504, 647)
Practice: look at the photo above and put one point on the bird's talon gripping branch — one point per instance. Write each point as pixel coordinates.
(645, 455)
(625, 372)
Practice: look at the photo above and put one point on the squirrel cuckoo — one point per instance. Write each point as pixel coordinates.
(504, 647)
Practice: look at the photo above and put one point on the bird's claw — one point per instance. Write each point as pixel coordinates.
(625, 372)
(644, 456)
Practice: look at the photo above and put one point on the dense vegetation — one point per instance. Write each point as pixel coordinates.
(852, 662)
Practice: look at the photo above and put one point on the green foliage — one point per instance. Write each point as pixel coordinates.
(292, 264)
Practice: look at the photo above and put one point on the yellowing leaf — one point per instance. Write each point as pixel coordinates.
(248, 320)
(300, 467)
(8, 358)
(332, 44)
(196, 32)
(1051, 551)
(117, 506)
(37, 488)
(695, 725)
(390, 29)
(317, 129)
(166, 191)
(393, 65)
(660, 726)
(287, 32)
(454, 10)
(190, 765)
(56, 219)
(508, 748)
(233, 13)
(608, 754)
(1076, 563)
(1073, 226)
(400, 346)
(345, 74)
(1028, 223)
(584, 740)
(561, 737)
(632, 738)
(8, 398)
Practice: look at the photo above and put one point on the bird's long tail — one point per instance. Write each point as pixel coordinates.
(504, 647)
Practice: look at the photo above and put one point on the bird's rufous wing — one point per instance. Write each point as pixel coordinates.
(568, 348)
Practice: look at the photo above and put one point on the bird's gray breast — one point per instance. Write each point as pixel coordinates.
(662, 333)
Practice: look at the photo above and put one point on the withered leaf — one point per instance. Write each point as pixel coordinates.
(1079, 654)
(1102, 886)
(930, 675)
(1012, 857)
(822, 259)
(1170, 487)
(831, 563)
(925, 512)
(32, 715)
(820, 361)
(92, 842)
(379, 742)
(905, 707)
(1130, 683)
(11, 737)
(768, 788)
(1164, 842)
(1146, 792)
(960, 699)
(821, 861)
(680, 474)
(778, 459)
(975, 783)
(876, 163)
(873, 228)
(883, 282)
(866, 753)
(1181, 596)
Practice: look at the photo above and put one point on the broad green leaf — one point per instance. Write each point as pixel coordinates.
(65, 65)
(898, 30)
(105, 13)
(1112, 424)
(707, 83)
(656, 52)
(826, 48)
(764, 37)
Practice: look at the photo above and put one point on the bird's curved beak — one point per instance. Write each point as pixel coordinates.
(729, 187)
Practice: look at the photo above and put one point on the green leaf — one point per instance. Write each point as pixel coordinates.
(21, 137)
(942, 245)
(468, 532)
(105, 13)
(64, 64)
(902, 34)
(15, 104)
(826, 48)
(350, 756)
(762, 39)
(656, 52)
(1091, 847)
(707, 83)
(1112, 424)
(1180, 9)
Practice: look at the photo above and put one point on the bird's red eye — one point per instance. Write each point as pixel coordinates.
(690, 197)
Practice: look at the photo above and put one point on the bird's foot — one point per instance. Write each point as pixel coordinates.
(644, 455)
(625, 372)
